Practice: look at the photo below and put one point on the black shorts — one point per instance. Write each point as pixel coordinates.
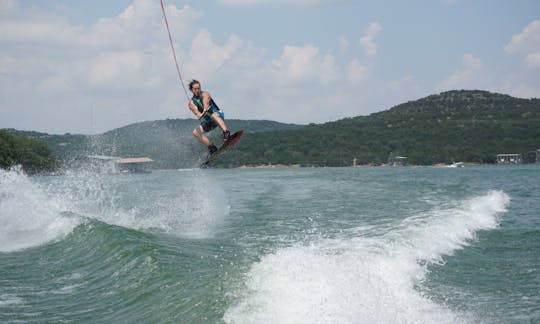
(208, 123)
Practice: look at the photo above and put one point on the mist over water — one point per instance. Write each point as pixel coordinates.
(28, 215)
(42, 209)
(364, 245)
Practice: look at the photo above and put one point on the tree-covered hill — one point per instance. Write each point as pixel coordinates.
(34, 156)
(466, 125)
(471, 126)
(169, 143)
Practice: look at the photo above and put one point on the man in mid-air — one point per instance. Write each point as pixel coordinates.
(205, 109)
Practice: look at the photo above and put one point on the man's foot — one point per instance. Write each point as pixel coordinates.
(212, 149)
(226, 136)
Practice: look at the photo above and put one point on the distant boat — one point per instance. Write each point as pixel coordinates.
(456, 165)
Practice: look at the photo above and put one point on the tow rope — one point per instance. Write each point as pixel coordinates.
(173, 50)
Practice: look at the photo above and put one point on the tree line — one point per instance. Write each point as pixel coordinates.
(34, 156)
(454, 126)
(468, 126)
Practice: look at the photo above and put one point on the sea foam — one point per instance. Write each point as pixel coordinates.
(35, 211)
(188, 204)
(364, 279)
(29, 216)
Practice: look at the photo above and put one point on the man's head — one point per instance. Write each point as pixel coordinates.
(195, 87)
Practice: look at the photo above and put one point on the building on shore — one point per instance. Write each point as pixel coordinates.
(515, 158)
(119, 164)
(398, 161)
(137, 164)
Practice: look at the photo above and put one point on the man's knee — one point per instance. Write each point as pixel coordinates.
(217, 116)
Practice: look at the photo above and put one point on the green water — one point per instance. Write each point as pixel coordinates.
(329, 245)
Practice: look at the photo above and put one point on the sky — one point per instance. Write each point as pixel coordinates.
(91, 66)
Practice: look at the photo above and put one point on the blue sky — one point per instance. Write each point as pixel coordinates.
(91, 66)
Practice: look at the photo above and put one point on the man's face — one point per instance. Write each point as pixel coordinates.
(196, 89)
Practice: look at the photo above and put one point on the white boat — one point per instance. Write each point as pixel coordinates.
(456, 165)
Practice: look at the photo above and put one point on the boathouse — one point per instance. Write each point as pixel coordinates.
(398, 161)
(516, 158)
(120, 164)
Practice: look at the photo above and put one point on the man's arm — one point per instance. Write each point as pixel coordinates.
(206, 97)
(194, 110)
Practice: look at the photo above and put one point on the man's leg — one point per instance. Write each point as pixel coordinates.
(220, 122)
(199, 135)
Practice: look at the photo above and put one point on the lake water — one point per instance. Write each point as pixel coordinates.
(306, 245)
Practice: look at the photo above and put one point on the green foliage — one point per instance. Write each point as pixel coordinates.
(33, 155)
(469, 126)
(170, 143)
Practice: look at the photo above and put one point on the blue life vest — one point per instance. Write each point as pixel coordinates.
(198, 101)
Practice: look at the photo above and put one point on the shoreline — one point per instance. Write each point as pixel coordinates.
(294, 166)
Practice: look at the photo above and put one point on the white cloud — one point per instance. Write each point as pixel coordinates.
(466, 76)
(450, 2)
(344, 44)
(522, 90)
(527, 43)
(182, 21)
(45, 55)
(405, 86)
(122, 66)
(206, 57)
(116, 69)
(533, 60)
(128, 29)
(7, 6)
(515, 81)
(37, 31)
(356, 71)
(470, 62)
(276, 2)
(6, 64)
(300, 64)
(53, 85)
(328, 69)
(368, 40)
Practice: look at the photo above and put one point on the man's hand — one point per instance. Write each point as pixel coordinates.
(203, 114)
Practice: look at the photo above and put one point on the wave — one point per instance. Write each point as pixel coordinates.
(29, 216)
(365, 279)
(37, 210)
(188, 205)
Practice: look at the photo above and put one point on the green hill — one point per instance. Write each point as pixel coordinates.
(469, 126)
(34, 156)
(466, 125)
(169, 143)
